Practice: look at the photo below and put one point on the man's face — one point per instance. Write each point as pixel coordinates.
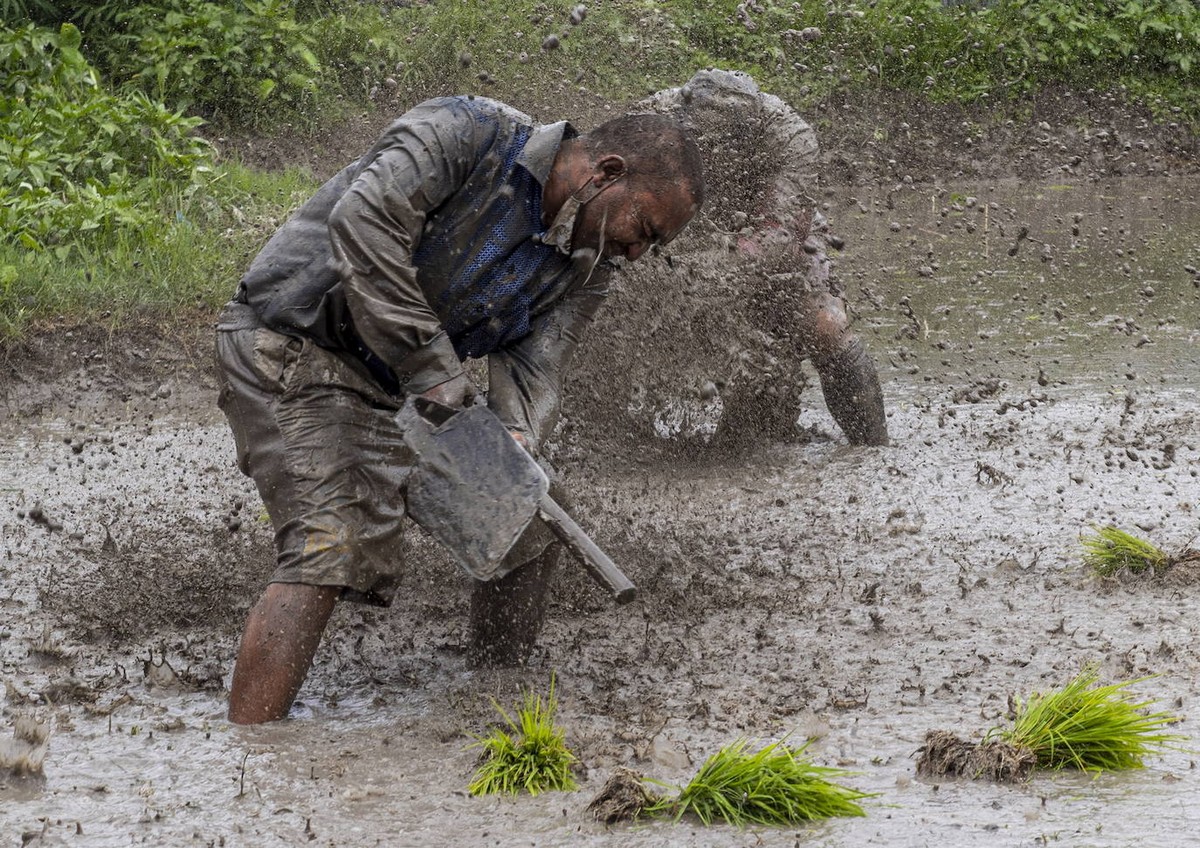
(626, 219)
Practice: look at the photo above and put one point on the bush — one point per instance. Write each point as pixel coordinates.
(357, 50)
(74, 159)
(224, 61)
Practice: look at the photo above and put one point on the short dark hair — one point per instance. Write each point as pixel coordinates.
(657, 150)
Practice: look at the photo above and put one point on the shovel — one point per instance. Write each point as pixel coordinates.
(475, 490)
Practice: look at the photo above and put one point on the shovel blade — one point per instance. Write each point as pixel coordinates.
(473, 488)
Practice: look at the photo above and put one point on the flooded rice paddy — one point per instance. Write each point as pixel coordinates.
(1037, 345)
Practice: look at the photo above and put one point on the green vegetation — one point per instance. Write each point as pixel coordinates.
(532, 758)
(110, 203)
(777, 785)
(75, 158)
(1089, 727)
(103, 161)
(1109, 551)
(186, 259)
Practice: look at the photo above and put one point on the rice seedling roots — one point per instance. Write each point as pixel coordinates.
(946, 755)
(622, 798)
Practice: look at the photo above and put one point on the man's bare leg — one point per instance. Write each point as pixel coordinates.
(281, 636)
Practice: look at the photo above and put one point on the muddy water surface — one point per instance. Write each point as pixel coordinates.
(1036, 384)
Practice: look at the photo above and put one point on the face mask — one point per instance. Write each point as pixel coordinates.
(562, 229)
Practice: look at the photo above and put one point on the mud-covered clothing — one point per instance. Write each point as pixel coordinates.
(422, 253)
(762, 213)
(318, 436)
(425, 252)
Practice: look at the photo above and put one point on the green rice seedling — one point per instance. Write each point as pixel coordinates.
(777, 785)
(1089, 727)
(532, 758)
(1110, 550)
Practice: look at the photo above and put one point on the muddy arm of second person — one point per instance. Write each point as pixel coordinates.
(525, 379)
(849, 380)
(850, 386)
(376, 227)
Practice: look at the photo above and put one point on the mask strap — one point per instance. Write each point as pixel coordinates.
(561, 231)
(584, 195)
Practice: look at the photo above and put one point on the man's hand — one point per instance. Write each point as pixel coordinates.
(453, 393)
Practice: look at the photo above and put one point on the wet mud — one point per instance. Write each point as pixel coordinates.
(1037, 345)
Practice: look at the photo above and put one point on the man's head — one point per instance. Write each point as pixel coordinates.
(636, 182)
(726, 93)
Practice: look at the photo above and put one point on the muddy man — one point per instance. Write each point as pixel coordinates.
(467, 231)
(761, 159)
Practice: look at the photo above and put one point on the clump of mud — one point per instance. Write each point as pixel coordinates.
(622, 798)
(946, 755)
(22, 756)
(1183, 568)
(195, 575)
(1180, 570)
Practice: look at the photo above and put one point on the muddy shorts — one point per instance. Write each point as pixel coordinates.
(318, 437)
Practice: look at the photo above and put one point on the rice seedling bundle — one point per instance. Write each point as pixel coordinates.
(531, 756)
(1082, 725)
(775, 786)
(1109, 550)
(1089, 727)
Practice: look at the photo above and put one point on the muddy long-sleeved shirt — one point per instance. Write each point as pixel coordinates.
(426, 251)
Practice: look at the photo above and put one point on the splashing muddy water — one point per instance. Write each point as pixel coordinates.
(1037, 345)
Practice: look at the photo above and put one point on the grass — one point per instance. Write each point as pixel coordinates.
(190, 255)
(1089, 727)
(777, 785)
(1109, 551)
(531, 756)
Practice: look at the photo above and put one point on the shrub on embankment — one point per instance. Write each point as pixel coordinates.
(112, 203)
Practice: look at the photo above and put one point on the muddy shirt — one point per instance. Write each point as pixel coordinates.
(425, 252)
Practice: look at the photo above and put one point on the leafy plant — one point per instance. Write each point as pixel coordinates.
(221, 60)
(359, 49)
(1089, 727)
(1110, 550)
(74, 159)
(532, 758)
(776, 785)
(20, 11)
(94, 18)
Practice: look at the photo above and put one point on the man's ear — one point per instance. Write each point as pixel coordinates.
(608, 167)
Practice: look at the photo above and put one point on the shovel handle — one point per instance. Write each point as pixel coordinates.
(602, 569)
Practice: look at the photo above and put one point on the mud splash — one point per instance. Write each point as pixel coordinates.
(861, 596)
